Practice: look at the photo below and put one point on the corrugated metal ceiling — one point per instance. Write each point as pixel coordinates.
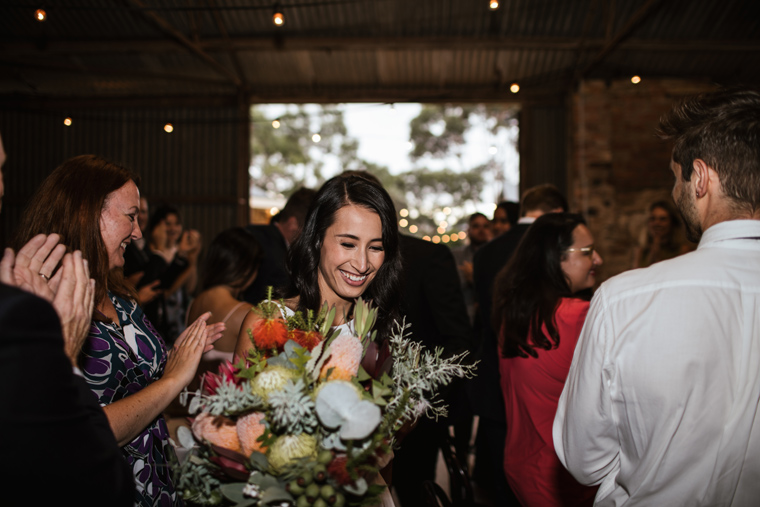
(366, 49)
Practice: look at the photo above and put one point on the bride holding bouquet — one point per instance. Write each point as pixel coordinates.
(348, 248)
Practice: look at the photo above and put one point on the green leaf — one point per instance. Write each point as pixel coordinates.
(275, 494)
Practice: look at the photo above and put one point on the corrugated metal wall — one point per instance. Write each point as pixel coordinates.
(196, 168)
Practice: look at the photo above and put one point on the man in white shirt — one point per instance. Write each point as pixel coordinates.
(661, 402)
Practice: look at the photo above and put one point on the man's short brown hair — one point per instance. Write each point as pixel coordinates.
(545, 198)
(723, 129)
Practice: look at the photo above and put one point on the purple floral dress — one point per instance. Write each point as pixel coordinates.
(119, 360)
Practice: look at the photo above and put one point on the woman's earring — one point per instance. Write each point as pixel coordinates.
(697, 194)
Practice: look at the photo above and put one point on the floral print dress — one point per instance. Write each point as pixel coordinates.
(120, 359)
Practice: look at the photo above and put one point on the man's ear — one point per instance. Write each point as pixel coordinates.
(701, 175)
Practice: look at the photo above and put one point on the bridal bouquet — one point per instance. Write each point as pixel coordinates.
(309, 417)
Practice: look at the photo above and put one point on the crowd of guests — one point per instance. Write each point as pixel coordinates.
(644, 391)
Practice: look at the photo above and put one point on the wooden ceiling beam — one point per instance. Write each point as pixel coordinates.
(375, 43)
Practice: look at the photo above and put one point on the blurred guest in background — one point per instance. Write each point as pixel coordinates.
(274, 240)
(662, 239)
(478, 234)
(174, 262)
(505, 217)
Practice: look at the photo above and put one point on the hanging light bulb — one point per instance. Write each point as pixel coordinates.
(169, 128)
(493, 4)
(40, 14)
(277, 18)
(514, 88)
(67, 121)
(276, 123)
(316, 138)
(636, 79)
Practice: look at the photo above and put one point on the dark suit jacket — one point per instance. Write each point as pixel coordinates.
(55, 442)
(274, 270)
(489, 259)
(433, 302)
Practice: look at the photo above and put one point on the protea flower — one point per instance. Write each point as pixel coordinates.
(249, 429)
(217, 430)
(272, 378)
(212, 381)
(338, 471)
(288, 448)
(345, 355)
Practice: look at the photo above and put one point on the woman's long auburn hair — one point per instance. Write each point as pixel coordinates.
(304, 255)
(69, 202)
(527, 290)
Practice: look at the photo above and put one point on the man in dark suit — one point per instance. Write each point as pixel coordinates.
(434, 306)
(55, 440)
(485, 393)
(275, 239)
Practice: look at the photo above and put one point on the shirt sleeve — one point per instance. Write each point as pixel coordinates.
(585, 437)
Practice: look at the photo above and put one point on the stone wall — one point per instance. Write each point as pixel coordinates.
(616, 164)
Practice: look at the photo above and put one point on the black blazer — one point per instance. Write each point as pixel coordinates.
(485, 391)
(55, 441)
(274, 269)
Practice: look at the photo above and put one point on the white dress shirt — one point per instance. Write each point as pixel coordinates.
(661, 403)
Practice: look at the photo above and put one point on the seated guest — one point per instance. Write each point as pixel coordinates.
(662, 238)
(231, 264)
(539, 320)
(124, 361)
(52, 405)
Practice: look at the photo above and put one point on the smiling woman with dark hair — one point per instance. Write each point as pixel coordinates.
(348, 248)
(539, 317)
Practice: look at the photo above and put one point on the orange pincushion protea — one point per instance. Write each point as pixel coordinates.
(249, 429)
(269, 333)
(306, 339)
(218, 430)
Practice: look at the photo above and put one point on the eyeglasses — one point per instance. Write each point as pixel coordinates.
(586, 250)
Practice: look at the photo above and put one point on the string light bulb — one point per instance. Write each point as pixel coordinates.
(514, 88)
(40, 14)
(316, 138)
(636, 79)
(67, 121)
(493, 4)
(168, 128)
(276, 123)
(277, 18)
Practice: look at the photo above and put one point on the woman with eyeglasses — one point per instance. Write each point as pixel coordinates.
(538, 315)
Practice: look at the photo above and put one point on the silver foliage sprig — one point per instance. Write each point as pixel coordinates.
(420, 372)
(230, 399)
(292, 410)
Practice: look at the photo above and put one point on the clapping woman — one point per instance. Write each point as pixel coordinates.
(539, 317)
(92, 204)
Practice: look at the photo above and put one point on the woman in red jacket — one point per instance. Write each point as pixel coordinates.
(539, 316)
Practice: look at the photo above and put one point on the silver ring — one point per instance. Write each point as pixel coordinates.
(45, 277)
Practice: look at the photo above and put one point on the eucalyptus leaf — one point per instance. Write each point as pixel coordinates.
(259, 460)
(234, 492)
(185, 437)
(275, 494)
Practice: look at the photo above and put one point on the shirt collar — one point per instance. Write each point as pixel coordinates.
(730, 229)
(526, 220)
